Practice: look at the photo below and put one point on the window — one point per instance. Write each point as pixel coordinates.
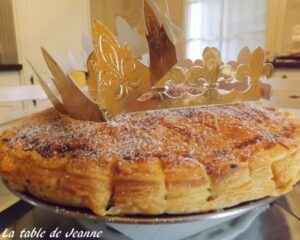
(228, 25)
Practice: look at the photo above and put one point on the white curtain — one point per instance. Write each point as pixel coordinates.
(226, 24)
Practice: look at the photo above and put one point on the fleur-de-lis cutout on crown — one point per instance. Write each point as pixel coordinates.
(204, 78)
(254, 71)
(212, 82)
(120, 77)
(243, 58)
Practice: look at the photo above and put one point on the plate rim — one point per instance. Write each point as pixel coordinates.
(86, 214)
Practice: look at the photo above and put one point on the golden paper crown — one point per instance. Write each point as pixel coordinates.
(119, 83)
(209, 81)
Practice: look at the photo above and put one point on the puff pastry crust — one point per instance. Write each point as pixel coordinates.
(166, 161)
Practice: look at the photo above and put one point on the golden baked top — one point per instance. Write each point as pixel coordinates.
(219, 136)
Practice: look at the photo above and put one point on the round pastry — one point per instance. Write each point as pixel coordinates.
(167, 161)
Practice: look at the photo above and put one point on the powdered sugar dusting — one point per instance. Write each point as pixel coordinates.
(212, 134)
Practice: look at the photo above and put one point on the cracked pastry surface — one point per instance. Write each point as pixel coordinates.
(166, 161)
